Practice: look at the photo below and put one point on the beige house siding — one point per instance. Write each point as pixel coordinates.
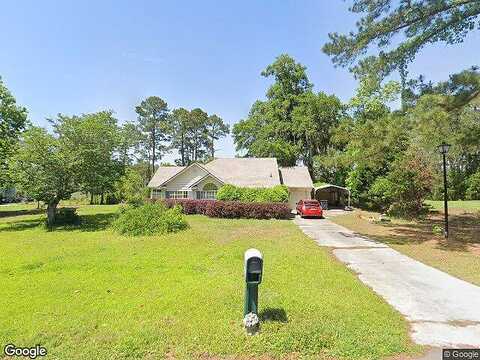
(297, 194)
(182, 180)
(209, 180)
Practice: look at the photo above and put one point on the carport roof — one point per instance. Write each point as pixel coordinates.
(327, 186)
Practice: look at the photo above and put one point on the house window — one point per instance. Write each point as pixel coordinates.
(177, 194)
(207, 195)
(210, 187)
(209, 192)
(156, 194)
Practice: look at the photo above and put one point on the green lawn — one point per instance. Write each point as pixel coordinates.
(467, 205)
(87, 293)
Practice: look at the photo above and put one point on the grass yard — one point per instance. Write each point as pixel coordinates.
(456, 206)
(459, 256)
(87, 293)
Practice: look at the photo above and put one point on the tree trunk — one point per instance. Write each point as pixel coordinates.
(153, 151)
(212, 150)
(101, 199)
(91, 198)
(149, 175)
(182, 150)
(51, 212)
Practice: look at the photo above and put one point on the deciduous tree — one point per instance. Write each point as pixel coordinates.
(129, 140)
(314, 119)
(268, 131)
(44, 168)
(93, 140)
(13, 119)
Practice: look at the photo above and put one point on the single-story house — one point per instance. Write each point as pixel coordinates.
(201, 181)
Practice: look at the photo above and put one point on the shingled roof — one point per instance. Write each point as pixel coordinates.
(296, 177)
(245, 172)
(164, 173)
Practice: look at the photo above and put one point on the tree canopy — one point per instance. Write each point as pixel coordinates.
(152, 123)
(13, 119)
(194, 133)
(94, 140)
(293, 124)
(399, 30)
(45, 168)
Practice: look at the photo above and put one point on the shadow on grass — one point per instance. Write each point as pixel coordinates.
(21, 225)
(87, 223)
(11, 213)
(274, 315)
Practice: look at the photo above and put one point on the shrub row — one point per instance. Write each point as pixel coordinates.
(231, 209)
(278, 193)
(189, 206)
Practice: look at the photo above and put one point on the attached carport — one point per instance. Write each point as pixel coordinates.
(335, 196)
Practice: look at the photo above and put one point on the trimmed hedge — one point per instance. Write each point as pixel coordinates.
(231, 209)
(189, 206)
(278, 193)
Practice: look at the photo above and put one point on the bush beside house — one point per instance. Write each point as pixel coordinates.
(278, 193)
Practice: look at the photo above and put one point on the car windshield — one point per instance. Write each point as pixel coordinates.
(312, 204)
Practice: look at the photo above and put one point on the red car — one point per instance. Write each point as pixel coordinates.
(310, 208)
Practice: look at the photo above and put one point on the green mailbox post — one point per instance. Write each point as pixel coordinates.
(253, 277)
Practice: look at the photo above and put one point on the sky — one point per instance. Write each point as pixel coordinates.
(76, 57)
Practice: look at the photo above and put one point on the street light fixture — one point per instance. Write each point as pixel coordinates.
(443, 149)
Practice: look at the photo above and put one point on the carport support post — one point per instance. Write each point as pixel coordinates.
(251, 299)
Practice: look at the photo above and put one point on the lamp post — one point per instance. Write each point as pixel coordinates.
(443, 149)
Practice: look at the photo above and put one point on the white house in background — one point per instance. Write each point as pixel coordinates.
(201, 181)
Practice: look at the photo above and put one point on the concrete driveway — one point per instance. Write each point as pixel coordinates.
(442, 310)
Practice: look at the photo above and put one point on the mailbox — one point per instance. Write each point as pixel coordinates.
(253, 266)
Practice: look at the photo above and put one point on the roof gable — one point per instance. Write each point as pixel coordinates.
(190, 174)
(195, 182)
(296, 177)
(164, 173)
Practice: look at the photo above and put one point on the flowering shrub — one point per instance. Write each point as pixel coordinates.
(189, 206)
(231, 209)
